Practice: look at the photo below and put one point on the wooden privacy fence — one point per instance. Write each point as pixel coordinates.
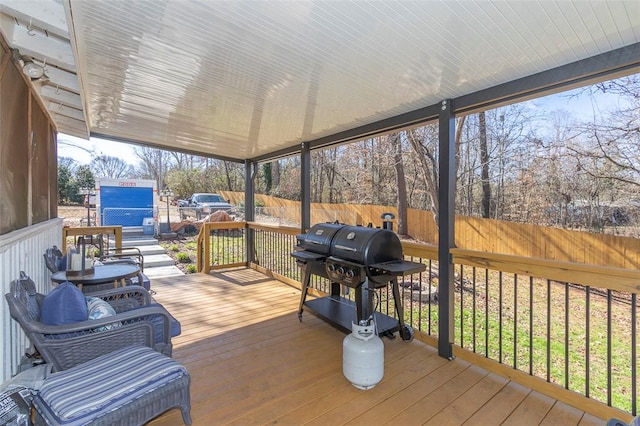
(486, 235)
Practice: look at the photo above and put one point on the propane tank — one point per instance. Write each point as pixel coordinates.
(363, 355)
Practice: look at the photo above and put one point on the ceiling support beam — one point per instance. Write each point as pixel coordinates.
(613, 64)
(250, 169)
(305, 187)
(446, 232)
(164, 148)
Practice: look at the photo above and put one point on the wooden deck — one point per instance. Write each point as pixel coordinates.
(252, 362)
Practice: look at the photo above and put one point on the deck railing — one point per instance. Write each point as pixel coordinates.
(565, 329)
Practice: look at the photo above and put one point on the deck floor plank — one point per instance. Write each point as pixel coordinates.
(252, 362)
(531, 411)
(463, 407)
(562, 414)
(428, 398)
(501, 405)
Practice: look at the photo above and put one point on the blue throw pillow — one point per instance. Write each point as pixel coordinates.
(65, 304)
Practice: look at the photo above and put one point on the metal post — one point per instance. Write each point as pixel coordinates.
(87, 193)
(305, 187)
(167, 192)
(168, 218)
(249, 206)
(446, 235)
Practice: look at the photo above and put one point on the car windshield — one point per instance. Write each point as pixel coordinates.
(210, 198)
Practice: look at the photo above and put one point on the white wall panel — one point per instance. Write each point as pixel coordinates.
(22, 250)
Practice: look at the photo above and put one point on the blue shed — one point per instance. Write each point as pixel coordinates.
(126, 202)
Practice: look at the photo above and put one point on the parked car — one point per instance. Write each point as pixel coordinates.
(202, 204)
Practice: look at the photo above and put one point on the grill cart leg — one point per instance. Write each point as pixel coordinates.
(406, 332)
(306, 279)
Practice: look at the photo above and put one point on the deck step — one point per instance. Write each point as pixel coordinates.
(138, 241)
(151, 250)
(162, 271)
(157, 260)
(157, 263)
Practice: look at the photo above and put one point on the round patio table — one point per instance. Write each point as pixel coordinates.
(102, 274)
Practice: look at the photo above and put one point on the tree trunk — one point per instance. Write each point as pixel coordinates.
(402, 183)
(484, 161)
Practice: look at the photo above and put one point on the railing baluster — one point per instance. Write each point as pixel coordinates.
(587, 350)
(430, 292)
(566, 335)
(500, 317)
(486, 313)
(609, 347)
(515, 320)
(634, 357)
(548, 340)
(461, 279)
(473, 321)
(531, 304)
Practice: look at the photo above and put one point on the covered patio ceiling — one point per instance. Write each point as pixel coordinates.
(254, 79)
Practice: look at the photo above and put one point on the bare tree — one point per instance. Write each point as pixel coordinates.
(395, 140)
(154, 164)
(109, 167)
(484, 161)
(424, 141)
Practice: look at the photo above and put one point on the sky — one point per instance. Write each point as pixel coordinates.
(575, 103)
(81, 150)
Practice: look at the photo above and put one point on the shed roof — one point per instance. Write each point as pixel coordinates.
(251, 79)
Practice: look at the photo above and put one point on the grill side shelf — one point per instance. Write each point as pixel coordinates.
(307, 256)
(399, 267)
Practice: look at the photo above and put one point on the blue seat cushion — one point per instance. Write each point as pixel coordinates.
(88, 391)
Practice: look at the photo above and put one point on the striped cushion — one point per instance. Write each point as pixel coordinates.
(87, 391)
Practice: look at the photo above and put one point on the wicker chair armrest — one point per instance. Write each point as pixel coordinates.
(68, 345)
(125, 318)
(124, 253)
(138, 292)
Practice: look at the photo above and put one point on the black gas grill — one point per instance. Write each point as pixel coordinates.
(361, 258)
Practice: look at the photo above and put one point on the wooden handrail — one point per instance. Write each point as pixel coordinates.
(287, 230)
(618, 279)
(68, 231)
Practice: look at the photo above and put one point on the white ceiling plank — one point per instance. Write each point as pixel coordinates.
(56, 50)
(71, 126)
(48, 15)
(61, 96)
(62, 79)
(59, 109)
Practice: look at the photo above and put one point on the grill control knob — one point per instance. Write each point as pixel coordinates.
(341, 270)
(332, 267)
(350, 273)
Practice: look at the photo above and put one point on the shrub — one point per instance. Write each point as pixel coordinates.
(191, 269)
(174, 247)
(183, 258)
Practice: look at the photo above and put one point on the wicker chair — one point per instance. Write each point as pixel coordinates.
(54, 259)
(68, 345)
(127, 255)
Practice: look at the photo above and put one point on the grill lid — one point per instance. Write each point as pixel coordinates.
(366, 245)
(318, 239)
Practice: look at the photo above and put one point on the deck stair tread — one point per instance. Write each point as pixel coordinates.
(157, 263)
